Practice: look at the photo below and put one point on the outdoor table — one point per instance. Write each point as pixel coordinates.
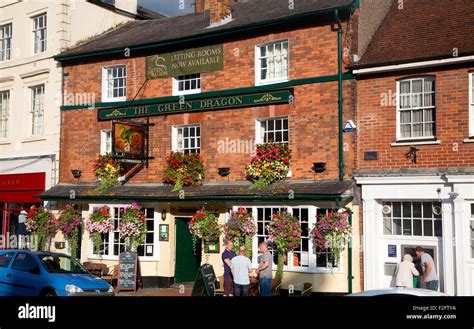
(96, 268)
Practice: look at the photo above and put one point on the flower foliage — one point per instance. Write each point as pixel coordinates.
(107, 170)
(40, 224)
(132, 226)
(204, 225)
(99, 223)
(330, 232)
(240, 228)
(68, 222)
(184, 170)
(270, 164)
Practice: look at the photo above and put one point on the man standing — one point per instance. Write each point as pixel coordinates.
(227, 256)
(264, 270)
(241, 267)
(430, 277)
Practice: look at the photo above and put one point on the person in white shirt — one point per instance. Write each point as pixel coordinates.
(241, 268)
(405, 272)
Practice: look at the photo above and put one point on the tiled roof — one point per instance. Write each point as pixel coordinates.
(422, 30)
(211, 191)
(245, 13)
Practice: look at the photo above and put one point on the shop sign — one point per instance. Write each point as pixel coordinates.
(128, 140)
(188, 61)
(246, 100)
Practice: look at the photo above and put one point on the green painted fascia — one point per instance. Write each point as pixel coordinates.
(234, 198)
(204, 36)
(355, 5)
(217, 93)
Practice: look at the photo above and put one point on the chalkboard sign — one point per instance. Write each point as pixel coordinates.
(128, 270)
(204, 285)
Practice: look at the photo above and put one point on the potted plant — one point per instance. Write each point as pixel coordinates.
(284, 231)
(331, 232)
(240, 228)
(204, 225)
(132, 227)
(40, 224)
(184, 170)
(107, 170)
(68, 222)
(270, 164)
(99, 223)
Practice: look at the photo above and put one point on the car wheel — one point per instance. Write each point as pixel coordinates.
(49, 293)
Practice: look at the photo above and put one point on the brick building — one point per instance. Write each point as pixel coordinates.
(415, 156)
(276, 73)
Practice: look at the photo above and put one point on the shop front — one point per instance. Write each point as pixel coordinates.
(167, 255)
(18, 192)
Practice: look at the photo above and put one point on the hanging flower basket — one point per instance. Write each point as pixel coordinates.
(99, 223)
(40, 224)
(270, 164)
(107, 170)
(284, 231)
(331, 232)
(132, 227)
(204, 225)
(69, 222)
(184, 170)
(240, 228)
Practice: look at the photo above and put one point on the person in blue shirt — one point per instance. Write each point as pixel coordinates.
(227, 256)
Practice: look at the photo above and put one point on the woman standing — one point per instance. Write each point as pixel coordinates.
(405, 272)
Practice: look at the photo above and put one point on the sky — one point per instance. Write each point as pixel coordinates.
(169, 7)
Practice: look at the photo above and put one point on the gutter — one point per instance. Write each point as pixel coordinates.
(340, 100)
(205, 36)
(413, 65)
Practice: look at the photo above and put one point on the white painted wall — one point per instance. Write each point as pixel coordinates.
(68, 21)
(455, 265)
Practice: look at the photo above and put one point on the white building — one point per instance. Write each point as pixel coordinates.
(31, 33)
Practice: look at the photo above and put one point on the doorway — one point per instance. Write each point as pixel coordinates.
(9, 225)
(187, 262)
(431, 250)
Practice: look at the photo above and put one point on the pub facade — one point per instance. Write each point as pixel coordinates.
(217, 83)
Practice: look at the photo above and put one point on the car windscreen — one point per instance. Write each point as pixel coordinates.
(62, 264)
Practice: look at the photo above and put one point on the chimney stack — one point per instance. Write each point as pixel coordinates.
(218, 9)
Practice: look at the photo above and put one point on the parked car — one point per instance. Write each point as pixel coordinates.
(400, 292)
(26, 273)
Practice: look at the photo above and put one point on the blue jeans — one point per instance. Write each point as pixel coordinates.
(432, 285)
(241, 290)
(265, 286)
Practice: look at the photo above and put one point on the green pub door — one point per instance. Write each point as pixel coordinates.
(187, 263)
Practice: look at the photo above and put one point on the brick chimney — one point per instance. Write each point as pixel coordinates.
(218, 9)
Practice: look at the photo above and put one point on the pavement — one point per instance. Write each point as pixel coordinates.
(176, 290)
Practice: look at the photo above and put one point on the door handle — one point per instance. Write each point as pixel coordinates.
(9, 275)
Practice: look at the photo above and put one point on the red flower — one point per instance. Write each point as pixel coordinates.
(200, 215)
(104, 212)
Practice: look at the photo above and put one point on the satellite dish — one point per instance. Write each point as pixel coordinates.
(386, 209)
(437, 210)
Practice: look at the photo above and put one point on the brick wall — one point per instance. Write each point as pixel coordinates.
(312, 118)
(377, 123)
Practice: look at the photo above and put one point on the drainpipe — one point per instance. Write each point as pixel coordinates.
(339, 92)
(349, 253)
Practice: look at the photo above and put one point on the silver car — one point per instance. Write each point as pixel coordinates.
(400, 291)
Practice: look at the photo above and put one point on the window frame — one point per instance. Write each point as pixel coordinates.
(103, 141)
(3, 42)
(34, 31)
(411, 218)
(32, 110)
(312, 268)
(105, 90)
(110, 255)
(175, 87)
(258, 129)
(399, 111)
(471, 104)
(4, 121)
(258, 80)
(174, 135)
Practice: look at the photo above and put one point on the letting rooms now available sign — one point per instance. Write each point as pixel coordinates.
(189, 61)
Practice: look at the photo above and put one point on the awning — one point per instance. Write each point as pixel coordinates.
(22, 187)
(287, 190)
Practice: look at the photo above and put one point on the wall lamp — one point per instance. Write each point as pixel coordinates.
(76, 173)
(225, 171)
(163, 215)
(319, 167)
